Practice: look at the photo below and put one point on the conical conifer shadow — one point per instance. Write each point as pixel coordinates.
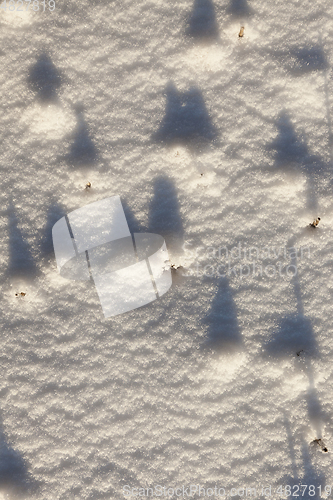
(301, 60)
(44, 78)
(294, 333)
(186, 118)
(21, 262)
(223, 333)
(14, 476)
(82, 151)
(134, 225)
(239, 9)
(287, 146)
(291, 153)
(55, 212)
(164, 214)
(202, 21)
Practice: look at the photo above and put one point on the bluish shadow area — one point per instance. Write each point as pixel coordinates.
(44, 78)
(290, 443)
(223, 331)
(186, 118)
(21, 262)
(239, 9)
(202, 21)
(83, 151)
(303, 60)
(291, 153)
(164, 214)
(315, 413)
(287, 146)
(14, 476)
(294, 334)
(54, 213)
(310, 475)
(133, 224)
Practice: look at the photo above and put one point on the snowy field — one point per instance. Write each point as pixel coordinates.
(224, 146)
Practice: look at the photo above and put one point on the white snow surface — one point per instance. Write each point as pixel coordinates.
(210, 140)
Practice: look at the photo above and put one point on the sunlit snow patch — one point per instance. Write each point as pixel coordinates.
(16, 19)
(290, 189)
(5, 496)
(50, 122)
(179, 153)
(202, 58)
(227, 366)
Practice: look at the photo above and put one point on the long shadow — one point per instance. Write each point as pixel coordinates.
(83, 151)
(14, 476)
(134, 225)
(186, 118)
(287, 146)
(55, 212)
(295, 333)
(295, 336)
(164, 215)
(292, 153)
(21, 262)
(239, 9)
(223, 330)
(303, 60)
(328, 115)
(315, 412)
(293, 479)
(310, 475)
(44, 78)
(202, 21)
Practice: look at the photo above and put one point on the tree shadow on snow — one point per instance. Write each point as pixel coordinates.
(295, 333)
(186, 118)
(287, 146)
(82, 151)
(239, 9)
(295, 337)
(164, 215)
(315, 412)
(21, 263)
(293, 479)
(292, 153)
(223, 333)
(14, 476)
(44, 78)
(303, 60)
(202, 21)
(55, 212)
(134, 225)
(309, 476)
